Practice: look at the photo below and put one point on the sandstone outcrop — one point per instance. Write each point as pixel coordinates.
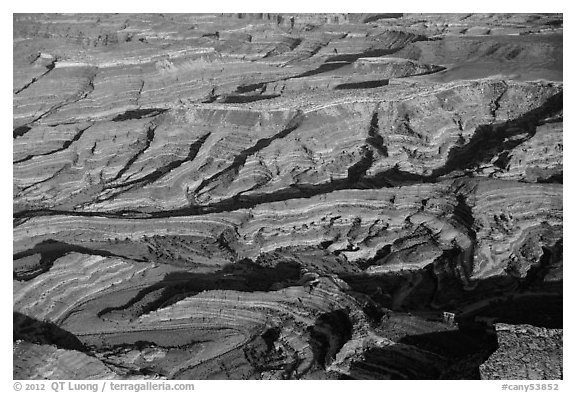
(525, 352)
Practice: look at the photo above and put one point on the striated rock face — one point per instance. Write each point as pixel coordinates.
(33, 361)
(266, 196)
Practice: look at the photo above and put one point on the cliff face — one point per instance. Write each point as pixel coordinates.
(286, 196)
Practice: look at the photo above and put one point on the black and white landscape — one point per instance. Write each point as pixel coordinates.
(287, 196)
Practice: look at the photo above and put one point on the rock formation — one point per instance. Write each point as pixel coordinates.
(274, 196)
(525, 352)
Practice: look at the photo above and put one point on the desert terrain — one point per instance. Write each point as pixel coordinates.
(287, 196)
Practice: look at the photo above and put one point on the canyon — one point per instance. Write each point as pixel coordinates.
(287, 196)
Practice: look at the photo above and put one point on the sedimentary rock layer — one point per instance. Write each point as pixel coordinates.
(270, 196)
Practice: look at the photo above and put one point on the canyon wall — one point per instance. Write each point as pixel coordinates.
(275, 196)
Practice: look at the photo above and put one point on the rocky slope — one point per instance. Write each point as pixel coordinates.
(265, 196)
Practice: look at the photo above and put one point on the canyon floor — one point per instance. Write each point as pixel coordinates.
(275, 196)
